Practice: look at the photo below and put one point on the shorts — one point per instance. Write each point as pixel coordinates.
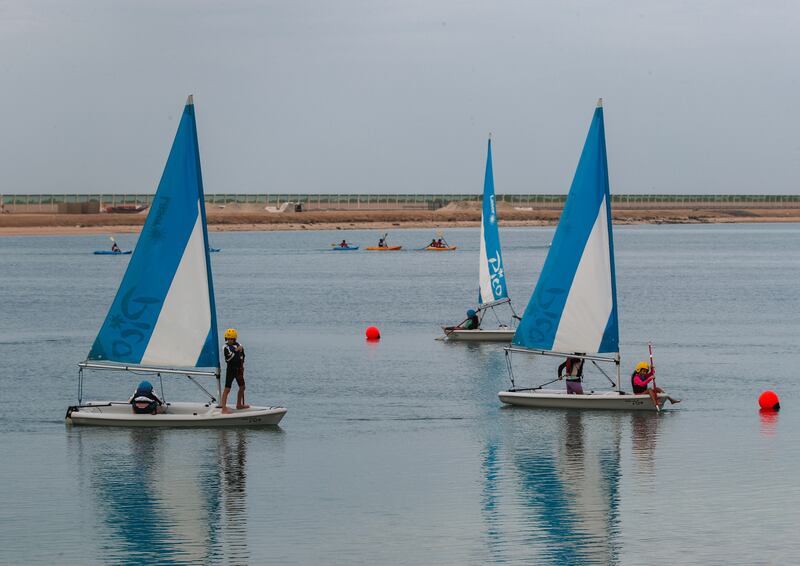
(574, 387)
(236, 373)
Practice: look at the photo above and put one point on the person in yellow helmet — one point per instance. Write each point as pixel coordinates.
(234, 357)
(641, 377)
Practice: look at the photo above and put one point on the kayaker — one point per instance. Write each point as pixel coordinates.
(234, 357)
(382, 243)
(144, 401)
(433, 243)
(641, 377)
(572, 369)
(344, 244)
(115, 247)
(439, 243)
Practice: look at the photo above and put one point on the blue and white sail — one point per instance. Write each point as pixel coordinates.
(164, 315)
(492, 278)
(574, 305)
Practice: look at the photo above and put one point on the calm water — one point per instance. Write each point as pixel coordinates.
(399, 452)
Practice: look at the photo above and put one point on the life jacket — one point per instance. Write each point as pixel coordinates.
(234, 357)
(639, 384)
(143, 402)
(573, 368)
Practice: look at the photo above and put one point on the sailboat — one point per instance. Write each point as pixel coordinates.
(573, 310)
(163, 320)
(492, 289)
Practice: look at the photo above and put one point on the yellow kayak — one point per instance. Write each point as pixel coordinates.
(384, 248)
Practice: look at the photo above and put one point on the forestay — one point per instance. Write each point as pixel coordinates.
(492, 278)
(574, 305)
(163, 315)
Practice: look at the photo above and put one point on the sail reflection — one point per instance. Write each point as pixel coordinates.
(166, 496)
(560, 493)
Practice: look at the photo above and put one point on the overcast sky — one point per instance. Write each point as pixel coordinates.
(377, 96)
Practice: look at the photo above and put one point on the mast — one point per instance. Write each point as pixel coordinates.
(211, 296)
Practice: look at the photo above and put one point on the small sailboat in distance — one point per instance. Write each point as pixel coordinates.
(163, 320)
(492, 288)
(573, 310)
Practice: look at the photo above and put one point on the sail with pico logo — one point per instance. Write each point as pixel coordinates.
(492, 277)
(164, 314)
(574, 305)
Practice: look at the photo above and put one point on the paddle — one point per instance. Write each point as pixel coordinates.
(454, 328)
(385, 245)
(653, 369)
(114, 241)
(440, 235)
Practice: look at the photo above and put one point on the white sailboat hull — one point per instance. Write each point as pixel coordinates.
(480, 335)
(559, 399)
(119, 413)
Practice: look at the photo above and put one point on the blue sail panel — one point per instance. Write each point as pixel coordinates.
(163, 313)
(491, 273)
(574, 305)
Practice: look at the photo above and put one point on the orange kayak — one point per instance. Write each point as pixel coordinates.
(432, 249)
(383, 249)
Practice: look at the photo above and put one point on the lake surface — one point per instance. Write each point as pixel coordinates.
(399, 452)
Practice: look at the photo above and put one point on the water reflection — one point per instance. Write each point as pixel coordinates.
(644, 434)
(769, 422)
(166, 496)
(561, 492)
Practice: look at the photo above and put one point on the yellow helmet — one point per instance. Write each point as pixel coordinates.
(642, 366)
(231, 334)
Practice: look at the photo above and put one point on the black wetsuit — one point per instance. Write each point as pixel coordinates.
(234, 357)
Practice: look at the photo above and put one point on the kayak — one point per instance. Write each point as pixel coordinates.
(384, 249)
(446, 249)
(109, 252)
(344, 248)
(213, 250)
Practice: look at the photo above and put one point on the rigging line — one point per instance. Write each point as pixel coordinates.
(80, 386)
(510, 369)
(213, 399)
(161, 379)
(613, 384)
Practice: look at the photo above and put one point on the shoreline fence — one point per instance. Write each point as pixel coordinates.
(49, 203)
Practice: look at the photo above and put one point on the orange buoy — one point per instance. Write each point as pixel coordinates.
(769, 401)
(373, 333)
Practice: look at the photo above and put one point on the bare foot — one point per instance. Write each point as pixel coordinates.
(226, 411)
(242, 406)
(674, 401)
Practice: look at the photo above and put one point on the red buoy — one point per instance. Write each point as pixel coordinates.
(373, 333)
(769, 401)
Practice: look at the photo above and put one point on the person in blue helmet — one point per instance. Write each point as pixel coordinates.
(144, 401)
(473, 321)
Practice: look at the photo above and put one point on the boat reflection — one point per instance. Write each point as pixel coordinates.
(166, 496)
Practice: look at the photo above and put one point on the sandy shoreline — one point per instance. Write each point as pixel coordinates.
(56, 224)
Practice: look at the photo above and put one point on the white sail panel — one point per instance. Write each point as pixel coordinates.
(185, 319)
(487, 291)
(590, 300)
